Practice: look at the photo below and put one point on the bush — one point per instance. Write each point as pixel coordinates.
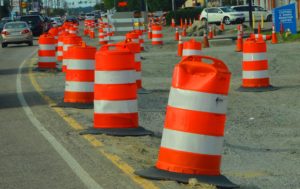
(193, 13)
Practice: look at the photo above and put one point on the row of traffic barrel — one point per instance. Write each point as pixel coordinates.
(108, 79)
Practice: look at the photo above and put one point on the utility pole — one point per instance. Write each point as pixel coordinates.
(250, 14)
(173, 5)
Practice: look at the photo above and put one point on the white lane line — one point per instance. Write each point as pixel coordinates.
(88, 181)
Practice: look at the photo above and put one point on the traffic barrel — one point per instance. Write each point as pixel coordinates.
(183, 33)
(134, 48)
(85, 30)
(222, 26)
(193, 134)
(115, 93)
(261, 36)
(191, 48)
(79, 85)
(255, 67)
(157, 35)
(69, 40)
(102, 36)
(54, 32)
(60, 44)
(149, 33)
(72, 30)
(47, 52)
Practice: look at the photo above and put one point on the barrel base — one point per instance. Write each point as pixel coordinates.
(143, 91)
(121, 132)
(75, 105)
(257, 89)
(156, 174)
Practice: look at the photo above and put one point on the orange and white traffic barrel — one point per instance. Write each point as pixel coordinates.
(210, 32)
(69, 40)
(173, 24)
(239, 42)
(79, 86)
(60, 45)
(54, 32)
(133, 37)
(115, 93)
(149, 33)
(176, 34)
(157, 35)
(47, 52)
(193, 134)
(102, 36)
(255, 77)
(72, 30)
(191, 48)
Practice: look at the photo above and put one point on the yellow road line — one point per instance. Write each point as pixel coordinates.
(116, 160)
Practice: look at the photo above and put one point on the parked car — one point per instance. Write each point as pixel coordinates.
(224, 14)
(81, 16)
(36, 24)
(90, 16)
(72, 19)
(48, 23)
(56, 21)
(257, 11)
(6, 19)
(16, 33)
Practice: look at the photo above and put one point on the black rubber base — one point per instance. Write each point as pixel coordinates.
(143, 91)
(75, 105)
(157, 174)
(257, 89)
(139, 131)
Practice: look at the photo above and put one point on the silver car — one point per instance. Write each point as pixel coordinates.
(16, 33)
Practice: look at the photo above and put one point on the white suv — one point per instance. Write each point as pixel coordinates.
(226, 14)
(257, 11)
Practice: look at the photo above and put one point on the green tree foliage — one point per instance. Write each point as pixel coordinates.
(109, 4)
(184, 14)
(57, 12)
(99, 6)
(4, 10)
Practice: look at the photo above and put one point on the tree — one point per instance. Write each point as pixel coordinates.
(58, 12)
(4, 10)
(99, 6)
(109, 4)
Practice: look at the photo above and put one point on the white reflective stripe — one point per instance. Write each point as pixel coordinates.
(263, 36)
(59, 53)
(111, 106)
(60, 44)
(189, 142)
(156, 31)
(138, 75)
(255, 74)
(254, 56)
(47, 59)
(137, 57)
(188, 52)
(81, 64)
(198, 101)
(65, 48)
(77, 86)
(135, 40)
(55, 37)
(115, 77)
(72, 32)
(156, 39)
(65, 62)
(47, 47)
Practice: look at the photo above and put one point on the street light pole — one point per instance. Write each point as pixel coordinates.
(173, 5)
(250, 14)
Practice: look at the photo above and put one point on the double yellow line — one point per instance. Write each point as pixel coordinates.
(116, 160)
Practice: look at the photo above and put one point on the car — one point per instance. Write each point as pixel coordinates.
(72, 19)
(36, 23)
(257, 11)
(90, 16)
(56, 21)
(224, 14)
(81, 16)
(6, 19)
(48, 23)
(16, 33)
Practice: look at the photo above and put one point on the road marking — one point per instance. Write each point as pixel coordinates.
(116, 160)
(87, 180)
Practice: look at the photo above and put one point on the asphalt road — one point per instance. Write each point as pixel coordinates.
(38, 149)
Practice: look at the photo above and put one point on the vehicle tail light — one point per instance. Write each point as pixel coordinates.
(25, 31)
(4, 33)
